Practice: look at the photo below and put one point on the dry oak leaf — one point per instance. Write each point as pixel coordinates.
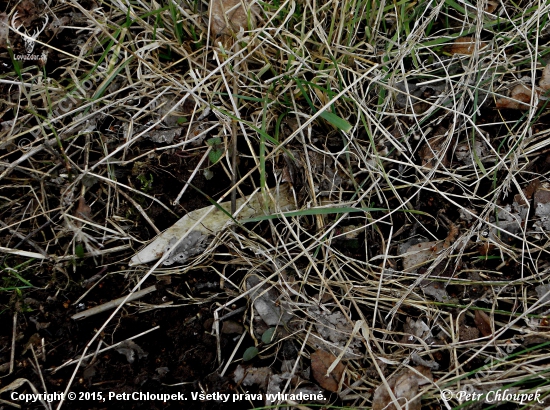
(230, 15)
(320, 363)
(465, 46)
(404, 386)
(483, 323)
(520, 98)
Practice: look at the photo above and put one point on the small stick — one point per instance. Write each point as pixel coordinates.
(12, 355)
(232, 313)
(26, 238)
(113, 303)
(39, 371)
(234, 145)
(230, 360)
(26, 254)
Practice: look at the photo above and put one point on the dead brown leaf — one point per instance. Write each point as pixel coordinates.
(491, 6)
(483, 323)
(404, 386)
(544, 82)
(520, 99)
(230, 15)
(83, 210)
(34, 340)
(230, 327)
(528, 191)
(465, 46)
(320, 362)
(451, 237)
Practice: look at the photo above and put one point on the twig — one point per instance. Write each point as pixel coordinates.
(12, 353)
(22, 253)
(39, 371)
(229, 361)
(27, 237)
(113, 303)
(234, 142)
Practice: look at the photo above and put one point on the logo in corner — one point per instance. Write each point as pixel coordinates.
(29, 39)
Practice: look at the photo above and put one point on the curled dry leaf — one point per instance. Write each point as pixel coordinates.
(544, 82)
(82, 211)
(451, 237)
(230, 15)
(404, 386)
(415, 328)
(129, 348)
(520, 98)
(320, 363)
(465, 46)
(491, 6)
(483, 323)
